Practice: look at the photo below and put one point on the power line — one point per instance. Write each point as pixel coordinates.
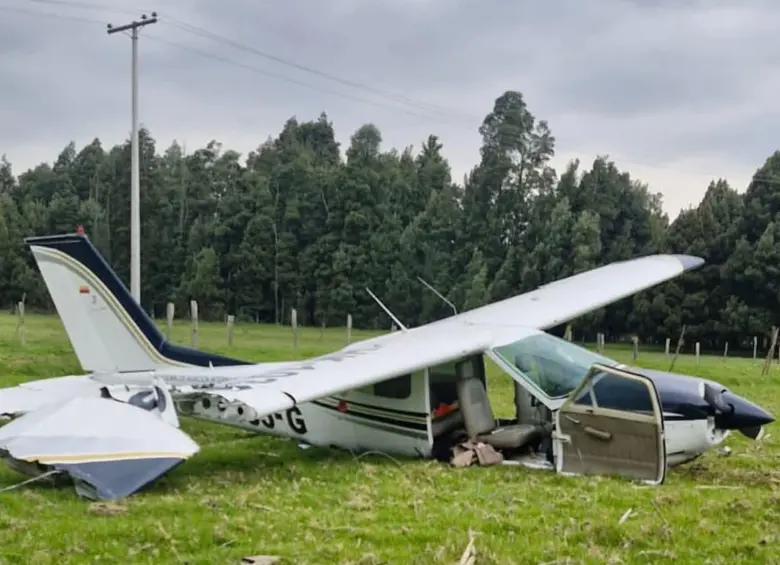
(291, 80)
(86, 6)
(135, 190)
(200, 32)
(193, 30)
(206, 34)
(13, 9)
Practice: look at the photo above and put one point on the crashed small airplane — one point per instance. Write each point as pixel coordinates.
(418, 392)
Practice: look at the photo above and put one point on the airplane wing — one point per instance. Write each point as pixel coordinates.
(266, 391)
(563, 300)
(361, 364)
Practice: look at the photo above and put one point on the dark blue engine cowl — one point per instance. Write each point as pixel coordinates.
(692, 398)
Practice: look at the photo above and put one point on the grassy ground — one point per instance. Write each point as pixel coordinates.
(247, 495)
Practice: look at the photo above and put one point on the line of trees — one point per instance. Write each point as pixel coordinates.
(301, 225)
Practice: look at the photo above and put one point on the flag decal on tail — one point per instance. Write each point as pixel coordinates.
(83, 289)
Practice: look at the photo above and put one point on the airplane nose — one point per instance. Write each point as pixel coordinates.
(744, 415)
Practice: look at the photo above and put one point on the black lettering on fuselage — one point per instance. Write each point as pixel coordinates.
(293, 416)
(268, 421)
(295, 421)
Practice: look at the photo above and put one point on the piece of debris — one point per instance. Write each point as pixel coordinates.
(106, 509)
(466, 453)
(470, 554)
(261, 559)
(487, 455)
(719, 487)
(724, 451)
(625, 516)
(462, 459)
(531, 461)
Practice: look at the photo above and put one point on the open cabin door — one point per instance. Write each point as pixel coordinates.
(612, 424)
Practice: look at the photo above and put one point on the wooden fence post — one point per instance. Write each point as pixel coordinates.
(755, 348)
(231, 320)
(170, 310)
(294, 324)
(21, 326)
(771, 353)
(698, 349)
(194, 317)
(679, 346)
(349, 328)
(726, 350)
(667, 346)
(635, 339)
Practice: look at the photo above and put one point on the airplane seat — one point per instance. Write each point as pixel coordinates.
(480, 423)
(475, 407)
(524, 406)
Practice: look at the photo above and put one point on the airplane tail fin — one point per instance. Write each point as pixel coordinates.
(107, 328)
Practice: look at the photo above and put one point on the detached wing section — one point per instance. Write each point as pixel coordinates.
(260, 391)
(563, 300)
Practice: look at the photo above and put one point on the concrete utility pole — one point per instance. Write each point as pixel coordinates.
(135, 191)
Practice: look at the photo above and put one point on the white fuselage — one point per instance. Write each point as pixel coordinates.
(356, 420)
(359, 420)
(311, 423)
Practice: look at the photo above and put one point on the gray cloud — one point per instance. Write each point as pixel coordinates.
(667, 84)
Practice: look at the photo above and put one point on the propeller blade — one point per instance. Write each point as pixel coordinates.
(714, 398)
(755, 433)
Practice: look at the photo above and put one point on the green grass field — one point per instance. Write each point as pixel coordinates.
(245, 494)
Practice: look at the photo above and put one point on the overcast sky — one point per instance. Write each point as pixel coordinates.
(677, 92)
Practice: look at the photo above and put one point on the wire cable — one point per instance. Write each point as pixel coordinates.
(445, 117)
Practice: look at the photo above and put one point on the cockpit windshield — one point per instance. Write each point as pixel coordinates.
(553, 364)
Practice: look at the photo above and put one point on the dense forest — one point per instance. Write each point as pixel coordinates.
(300, 224)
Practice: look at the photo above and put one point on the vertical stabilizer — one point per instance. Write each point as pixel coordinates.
(109, 331)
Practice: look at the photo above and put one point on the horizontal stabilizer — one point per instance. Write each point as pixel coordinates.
(27, 397)
(108, 448)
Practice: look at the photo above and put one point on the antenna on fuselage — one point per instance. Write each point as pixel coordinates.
(440, 295)
(387, 310)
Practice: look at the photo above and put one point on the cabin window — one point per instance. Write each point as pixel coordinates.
(554, 365)
(617, 393)
(442, 381)
(398, 387)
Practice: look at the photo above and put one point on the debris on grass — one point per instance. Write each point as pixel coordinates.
(261, 559)
(719, 487)
(273, 494)
(106, 509)
(625, 516)
(470, 554)
(466, 453)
